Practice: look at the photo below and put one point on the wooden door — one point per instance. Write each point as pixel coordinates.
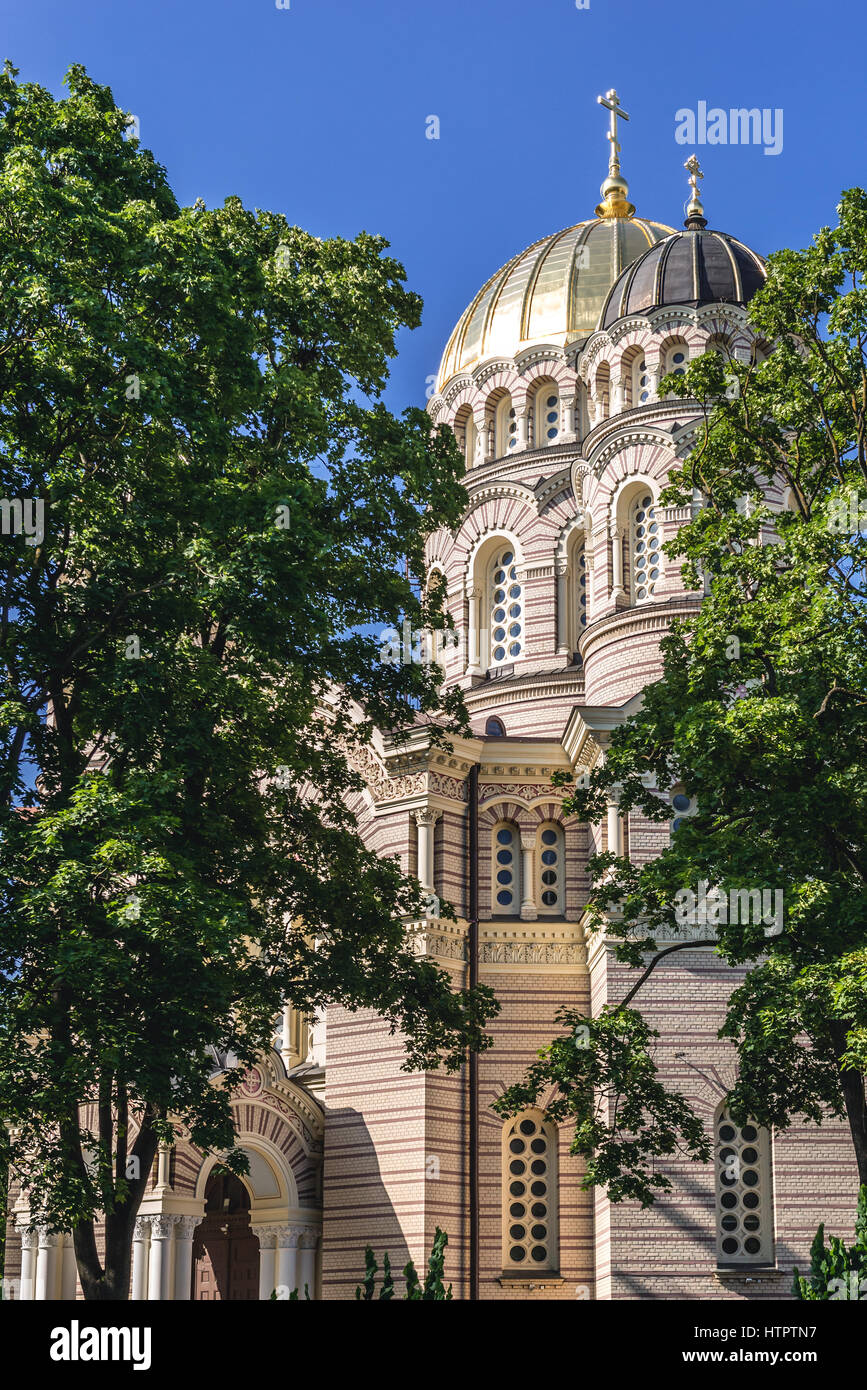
(225, 1250)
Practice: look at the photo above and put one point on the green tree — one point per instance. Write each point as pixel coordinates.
(432, 1291)
(761, 714)
(838, 1271)
(205, 500)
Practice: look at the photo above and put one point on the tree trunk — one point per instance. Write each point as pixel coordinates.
(855, 1100)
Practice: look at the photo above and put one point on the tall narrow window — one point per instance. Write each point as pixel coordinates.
(640, 382)
(506, 870)
(471, 438)
(530, 1196)
(743, 1192)
(505, 427)
(550, 859)
(676, 359)
(580, 592)
(546, 425)
(507, 610)
(644, 540)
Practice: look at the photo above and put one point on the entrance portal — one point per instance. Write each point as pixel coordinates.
(225, 1250)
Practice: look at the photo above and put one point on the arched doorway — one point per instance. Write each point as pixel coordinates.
(225, 1250)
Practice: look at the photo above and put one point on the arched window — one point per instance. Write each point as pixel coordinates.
(546, 420)
(506, 870)
(602, 392)
(743, 1192)
(551, 870)
(682, 805)
(494, 728)
(506, 609)
(505, 427)
(677, 359)
(641, 388)
(644, 543)
(530, 1195)
(580, 591)
(466, 435)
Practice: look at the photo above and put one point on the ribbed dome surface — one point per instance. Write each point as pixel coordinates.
(550, 293)
(691, 267)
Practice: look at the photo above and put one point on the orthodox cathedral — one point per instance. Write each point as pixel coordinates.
(557, 582)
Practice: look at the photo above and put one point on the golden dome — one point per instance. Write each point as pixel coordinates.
(551, 293)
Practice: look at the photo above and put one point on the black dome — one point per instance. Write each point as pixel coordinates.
(691, 267)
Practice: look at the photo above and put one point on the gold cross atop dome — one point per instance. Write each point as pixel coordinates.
(615, 189)
(695, 218)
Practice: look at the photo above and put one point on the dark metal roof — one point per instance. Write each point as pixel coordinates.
(691, 267)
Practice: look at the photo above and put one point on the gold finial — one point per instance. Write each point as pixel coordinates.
(615, 188)
(695, 218)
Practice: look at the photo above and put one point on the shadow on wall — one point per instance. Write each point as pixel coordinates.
(358, 1210)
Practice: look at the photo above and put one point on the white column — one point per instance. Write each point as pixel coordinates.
(307, 1264)
(616, 533)
(184, 1256)
(615, 835)
(567, 414)
(474, 637)
(158, 1261)
(28, 1264)
(68, 1270)
(163, 1159)
(523, 413)
(140, 1242)
(426, 819)
(286, 1036)
(267, 1242)
(287, 1258)
(528, 877)
(561, 570)
(654, 376)
(482, 441)
(46, 1265)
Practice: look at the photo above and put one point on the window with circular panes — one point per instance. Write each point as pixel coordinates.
(581, 590)
(547, 421)
(682, 806)
(530, 1195)
(743, 1192)
(506, 871)
(507, 610)
(677, 360)
(645, 540)
(505, 427)
(640, 382)
(550, 869)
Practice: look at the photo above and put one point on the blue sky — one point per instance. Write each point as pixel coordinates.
(319, 111)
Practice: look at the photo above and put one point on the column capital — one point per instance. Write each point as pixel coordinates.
(426, 815)
(48, 1239)
(267, 1235)
(29, 1237)
(161, 1226)
(187, 1225)
(288, 1237)
(141, 1229)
